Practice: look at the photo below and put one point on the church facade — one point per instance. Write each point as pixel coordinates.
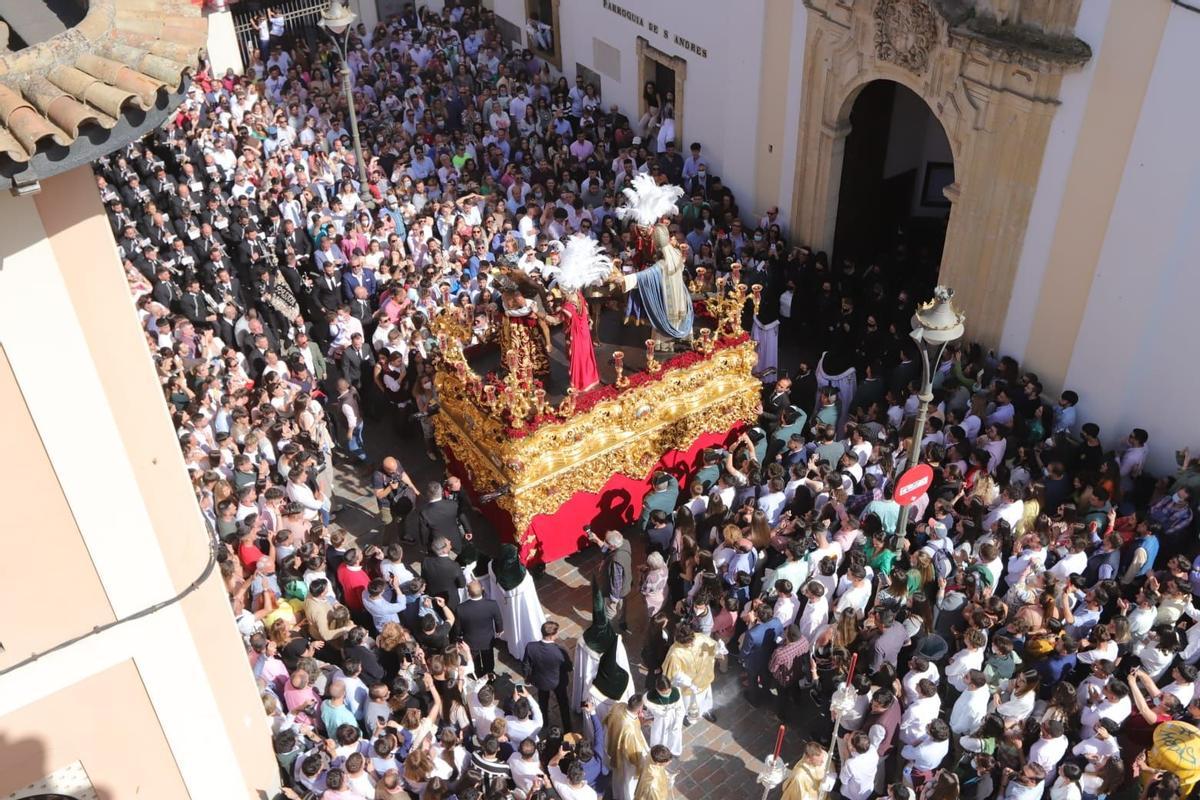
(1055, 164)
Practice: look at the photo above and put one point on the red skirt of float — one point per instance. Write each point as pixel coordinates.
(618, 504)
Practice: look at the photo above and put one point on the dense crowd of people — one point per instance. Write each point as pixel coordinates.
(1025, 636)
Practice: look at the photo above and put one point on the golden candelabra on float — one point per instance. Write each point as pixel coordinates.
(507, 435)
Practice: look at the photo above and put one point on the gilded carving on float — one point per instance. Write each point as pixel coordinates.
(507, 435)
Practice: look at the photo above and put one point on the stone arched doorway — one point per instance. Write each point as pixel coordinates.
(896, 162)
(990, 72)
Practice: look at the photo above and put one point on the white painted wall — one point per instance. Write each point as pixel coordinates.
(222, 43)
(162, 644)
(1065, 130)
(721, 91)
(1133, 363)
(795, 94)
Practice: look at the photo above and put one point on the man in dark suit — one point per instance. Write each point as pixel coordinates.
(480, 621)
(165, 291)
(701, 183)
(327, 288)
(547, 667)
(904, 373)
(776, 401)
(443, 577)
(298, 241)
(441, 518)
(194, 305)
(357, 361)
(453, 492)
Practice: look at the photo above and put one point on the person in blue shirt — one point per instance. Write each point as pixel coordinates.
(758, 644)
(1059, 665)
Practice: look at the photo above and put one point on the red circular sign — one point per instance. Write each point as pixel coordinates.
(913, 483)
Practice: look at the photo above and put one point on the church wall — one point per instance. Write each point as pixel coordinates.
(1133, 358)
(1066, 128)
(721, 103)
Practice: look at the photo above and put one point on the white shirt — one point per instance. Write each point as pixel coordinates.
(786, 609)
(1048, 752)
(1184, 691)
(1019, 791)
(1018, 708)
(1098, 747)
(969, 711)
(858, 775)
(1154, 661)
(519, 729)
(1010, 513)
(1092, 714)
(300, 493)
(910, 680)
(960, 664)
(855, 597)
(1068, 565)
(523, 771)
(916, 718)
(389, 568)
(814, 618)
(568, 792)
(927, 755)
(1141, 620)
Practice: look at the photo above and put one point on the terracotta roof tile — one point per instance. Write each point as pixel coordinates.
(122, 56)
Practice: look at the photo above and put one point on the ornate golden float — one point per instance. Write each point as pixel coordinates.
(511, 440)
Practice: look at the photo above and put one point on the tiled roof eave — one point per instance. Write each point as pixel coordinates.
(113, 77)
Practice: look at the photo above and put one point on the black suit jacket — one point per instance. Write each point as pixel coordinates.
(902, 375)
(480, 622)
(194, 307)
(327, 298)
(443, 578)
(546, 665)
(441, 519)
(354, 364)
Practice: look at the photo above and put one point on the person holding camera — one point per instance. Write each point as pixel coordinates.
(395, 492)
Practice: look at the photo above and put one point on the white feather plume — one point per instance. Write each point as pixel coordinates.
(648, 202)
(582, 263)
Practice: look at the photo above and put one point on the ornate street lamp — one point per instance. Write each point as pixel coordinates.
(935, 325)
(336, 19)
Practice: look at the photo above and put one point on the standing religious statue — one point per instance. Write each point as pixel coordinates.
(581, 264)
(665, 298)
(524, 328)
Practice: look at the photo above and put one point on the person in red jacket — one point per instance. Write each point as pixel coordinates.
(353, 579)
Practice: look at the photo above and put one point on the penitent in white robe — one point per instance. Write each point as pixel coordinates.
(521, 611)
(587, 661)
(767, 338)
(666, 727)
(846, 383)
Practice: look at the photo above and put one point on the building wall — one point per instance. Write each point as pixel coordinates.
(1131, 359)
(721, 96)
(1065, 131)
(130, 528)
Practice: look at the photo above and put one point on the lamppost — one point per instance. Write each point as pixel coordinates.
(336, 19)
(935, 325)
